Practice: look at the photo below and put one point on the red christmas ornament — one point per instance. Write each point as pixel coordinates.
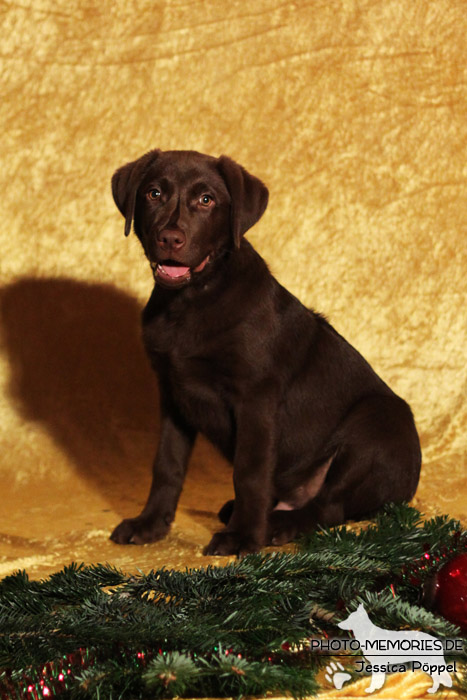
(451, 591)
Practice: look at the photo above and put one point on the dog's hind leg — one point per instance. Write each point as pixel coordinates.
(442, 676)
(378, 458)
(377, 682)
(285, 525)
(376, 461)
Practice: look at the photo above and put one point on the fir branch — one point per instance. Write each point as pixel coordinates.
(396, 613)
(162, 633)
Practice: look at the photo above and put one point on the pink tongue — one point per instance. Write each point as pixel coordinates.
(175, 270)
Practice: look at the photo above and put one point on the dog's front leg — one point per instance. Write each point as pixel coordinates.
(253, 473)
(168, 474)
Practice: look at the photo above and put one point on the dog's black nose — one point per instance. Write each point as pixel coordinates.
(171, 239)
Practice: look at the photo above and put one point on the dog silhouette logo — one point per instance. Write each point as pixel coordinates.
(388, 651)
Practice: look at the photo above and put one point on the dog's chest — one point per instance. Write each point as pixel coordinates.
(200, 390)
(198, 370)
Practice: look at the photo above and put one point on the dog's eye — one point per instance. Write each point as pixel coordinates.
(154, 194)
(206, 200)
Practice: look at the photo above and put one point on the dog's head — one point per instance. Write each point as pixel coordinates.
(187, 209)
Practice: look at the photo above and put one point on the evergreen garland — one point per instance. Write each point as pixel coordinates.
(242, 629)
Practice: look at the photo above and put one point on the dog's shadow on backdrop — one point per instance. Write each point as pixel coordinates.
(78, 367)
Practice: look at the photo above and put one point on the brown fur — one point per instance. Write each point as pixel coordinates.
(314, 435)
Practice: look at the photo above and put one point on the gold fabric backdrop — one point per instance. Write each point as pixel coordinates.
(353, 112)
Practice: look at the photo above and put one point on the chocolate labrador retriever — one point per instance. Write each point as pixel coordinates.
(314, 435)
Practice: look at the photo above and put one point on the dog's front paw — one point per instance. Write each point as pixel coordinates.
(139, 530)
(225, 543)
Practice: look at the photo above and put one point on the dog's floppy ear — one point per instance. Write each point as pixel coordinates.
(125, 183)
(248, 194)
